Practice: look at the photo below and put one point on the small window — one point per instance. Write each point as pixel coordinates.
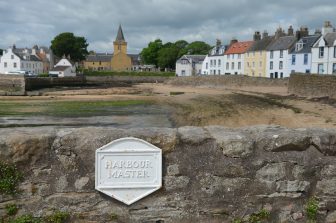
(281, 65)
(293, 59)
(227, 66)
(305, 59)
(271, 54)
(12, 57)
(5, 64)
(281, 53)
(239, 65)
(14, 65)
(232, 66)
(271, 65)
(321, 52)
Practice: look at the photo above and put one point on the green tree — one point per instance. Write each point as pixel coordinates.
(182, 46)
(198, 47)
(167, 56)
(70, 45)
(149, 55)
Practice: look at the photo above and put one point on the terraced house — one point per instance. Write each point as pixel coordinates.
(214, 62)
(98, 62)
(256, 56)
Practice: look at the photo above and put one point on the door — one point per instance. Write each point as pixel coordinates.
(320, 68)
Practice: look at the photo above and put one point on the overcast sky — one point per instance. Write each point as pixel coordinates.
(26, 23)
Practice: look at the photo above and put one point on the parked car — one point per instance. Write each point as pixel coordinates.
(22, 72)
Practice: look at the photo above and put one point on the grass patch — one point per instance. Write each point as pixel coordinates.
(57, 217)
(9, 178)
(64, 108)
(312, 209)
(11, 209)
(172, 93)
(125, 73)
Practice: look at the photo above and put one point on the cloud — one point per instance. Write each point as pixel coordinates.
(27, 23)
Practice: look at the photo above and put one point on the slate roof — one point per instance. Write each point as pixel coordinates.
(330, 39)
(222, 48)
(135, 59)
(60, 68)
(193, 58)
(239, 47)
(99, 57)
(262, 44)
(308, 43)
(283, 43)
(120, 35)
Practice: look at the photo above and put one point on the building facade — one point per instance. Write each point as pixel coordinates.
(64, 68)
(120, 60)
(189, 65)
(256, 56)
(300, 57)
(234, 57)
(213, 63)
(14, 60)
(278, 58)
(98, 62)
(324, 51)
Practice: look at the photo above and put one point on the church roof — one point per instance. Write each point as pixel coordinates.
(120, 35)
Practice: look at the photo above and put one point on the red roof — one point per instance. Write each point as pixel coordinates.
(239, 47)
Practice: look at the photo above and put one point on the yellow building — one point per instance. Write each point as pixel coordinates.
(118, 61)
(255, 57)
(98, 62)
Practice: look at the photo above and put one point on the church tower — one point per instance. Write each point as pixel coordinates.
(120, 45)
(120, 60)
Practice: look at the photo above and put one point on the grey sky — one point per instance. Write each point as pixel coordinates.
(26, 23)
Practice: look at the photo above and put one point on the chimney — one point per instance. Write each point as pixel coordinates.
(327, 28)
(256, 36)
(318, 32)
(265, 34)
(233, 41)
(303, 32)
(290, 31)
(13, 47)
(279, 33)
(218, 43)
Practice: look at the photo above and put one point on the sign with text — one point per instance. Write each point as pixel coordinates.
(128, 169)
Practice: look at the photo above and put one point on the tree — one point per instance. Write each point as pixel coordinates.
(67, 44)
(167, 56)
(181, 45)
(149, 55)
(198, 47)
(1, 52)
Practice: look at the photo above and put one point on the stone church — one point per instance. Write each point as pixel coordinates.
(118, 61)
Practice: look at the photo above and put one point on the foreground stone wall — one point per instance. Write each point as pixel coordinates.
(210, 174)
(228, 81)
(312, 85)
(12, 85)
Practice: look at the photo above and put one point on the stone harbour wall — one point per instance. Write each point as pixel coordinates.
(210, 174)
(313, 86)
(228, 81)
(12, 84)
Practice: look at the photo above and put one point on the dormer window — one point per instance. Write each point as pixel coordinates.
(299, 46)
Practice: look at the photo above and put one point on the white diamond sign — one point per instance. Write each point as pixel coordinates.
(128, 169)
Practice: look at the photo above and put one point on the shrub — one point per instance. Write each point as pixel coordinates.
(11, 209)
(9, 178)
(25, 219)
(312, 209)
(58, 217)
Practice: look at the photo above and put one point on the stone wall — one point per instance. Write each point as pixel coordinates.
(312, 85)
(35, 83)
(210, 174)
(228, 81)
(12, 85)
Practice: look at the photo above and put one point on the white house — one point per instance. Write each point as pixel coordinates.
(64, 68)
(277, 57)
(189, 65)
(324, 51)
(301, 55)
(14, 60)
(234, 57)
(213, 63)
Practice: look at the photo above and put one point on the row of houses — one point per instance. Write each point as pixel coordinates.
(275, 56)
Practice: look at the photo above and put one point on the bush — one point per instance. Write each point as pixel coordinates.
(57, 217)
(312, 209)
(25, 219)
(11, 209)
(9, 178)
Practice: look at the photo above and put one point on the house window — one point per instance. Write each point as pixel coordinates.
(183, 72)
(293, 59)
(239, 56)
(281, 53)
(271, 54)
(271, 65)
(239, 65)
(228, 56)
(14, 65)
(232, 65)
(227, 66)
(206, 65)
(219, 62)
(334, 51)
(320, 68)
(305, 59)
(214, 62)
(321, 52)
(5, 64)
(12, 57)
(281, 65)
(334, 68)
(248, 64)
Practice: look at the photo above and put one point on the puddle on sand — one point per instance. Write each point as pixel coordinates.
(138, 116)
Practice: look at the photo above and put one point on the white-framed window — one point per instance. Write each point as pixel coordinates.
(211, 63)
(239, 65)
(12, 57)
(321, 52)
(227, 65)
(239, 56)
(14, 65)
(219, 62)
(271, 65)
(232, 66)
(5, 64)
(272, 54)
(293, 59)
(214, 62)
(206, 65)
(281, 53)
(305, 59)
(334, 51)
(281, 65)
